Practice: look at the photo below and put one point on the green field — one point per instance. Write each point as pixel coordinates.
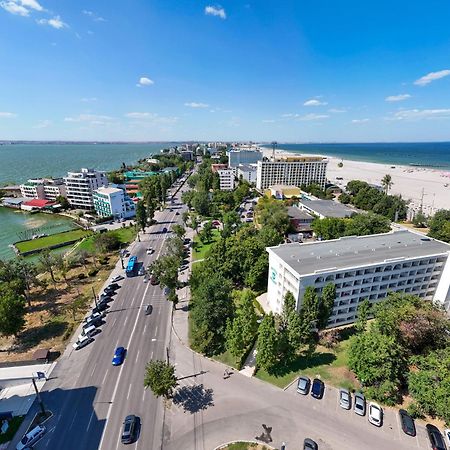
(200, 250)
(48, 241)
(125, 235)
(330, 365)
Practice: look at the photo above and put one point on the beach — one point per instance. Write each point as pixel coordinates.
(411, 182)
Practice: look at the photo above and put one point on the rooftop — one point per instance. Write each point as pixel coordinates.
(297, 213)
(39, 203)
(351, 251)
(108, 190)
(328, 208)
(247, 167)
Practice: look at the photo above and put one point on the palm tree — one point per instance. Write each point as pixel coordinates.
(387, 183)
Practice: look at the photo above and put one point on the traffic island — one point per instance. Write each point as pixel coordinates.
(244, 445)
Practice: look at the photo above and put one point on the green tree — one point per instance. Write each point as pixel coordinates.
(362, 316)
(440, 225)
(63, 201)
(329, 228)
(387, 183)
(179, 230)
(141, 215)
(266, 346)
(310, 306)
(160, 378)
(419, 220)
(12, 311)
(47, 263)
(165, 270)
(364, 224)
(231, 223)
(201, 203)
(106, 242)
(326, 304)
(206, 233)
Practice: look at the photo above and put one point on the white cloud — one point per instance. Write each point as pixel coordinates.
(287, 115)
(314, 102)
(196, 105)
(139, 115)
(56, 22)
(148, 118)
(360, 120)
(268, 121)
(43, 124)
(93, 16)
(7, 115)
(93, 118)
(144, 81)
(14, 8)
(420, 114)
(88, 99)
(313, 116)
(397, 98)
(32, 4)
(432, 76)
(217, 11)
(337, 110)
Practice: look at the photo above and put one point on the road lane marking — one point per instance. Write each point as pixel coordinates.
(90, 420)
(145, 327)
(93, 370)
(137, 356)
(154, 339)
(104, 378)
(126, 318)
(129, 389)
(156, 330)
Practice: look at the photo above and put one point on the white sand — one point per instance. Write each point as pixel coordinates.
(410, 182)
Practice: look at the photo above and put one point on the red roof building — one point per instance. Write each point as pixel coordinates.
(37, 204)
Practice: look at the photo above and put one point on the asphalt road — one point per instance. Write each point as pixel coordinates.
(88, 396)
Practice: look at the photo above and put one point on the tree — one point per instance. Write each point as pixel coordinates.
(326, 304)
(63, 201)
(387, 183)
(419, 220)
(201, 203)
(328, 228)
(266, 346)
(440, 225)
(106, 242)
(179, 230)
(141, 215)
(429, 383)
(362, 316)
(231, 223)
(12, 311)
(378, 361)
(160, 378)
(165, 270)
(364, 224)
(47, 263)
(310, 306)
(206, 233)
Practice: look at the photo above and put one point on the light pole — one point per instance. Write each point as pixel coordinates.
(38, 395)
(95, 297)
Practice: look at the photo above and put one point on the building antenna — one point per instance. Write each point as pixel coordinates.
(274, 145)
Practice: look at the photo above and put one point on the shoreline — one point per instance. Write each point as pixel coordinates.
(419, 184)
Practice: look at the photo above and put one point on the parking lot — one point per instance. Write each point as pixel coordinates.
(391, 426)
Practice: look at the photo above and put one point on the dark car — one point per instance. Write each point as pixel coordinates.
(360, 404)
(317, 388)
(177, 213)
(119, 356)
(164, 230)
(101, 306)
(303, 385)
(129, 431)
(435, 437)
(153, 280)
(105, 298)
(407, 422)
(148, 310)
(309, 444)
(114, 286)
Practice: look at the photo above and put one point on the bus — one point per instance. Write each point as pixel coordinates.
(132, 266)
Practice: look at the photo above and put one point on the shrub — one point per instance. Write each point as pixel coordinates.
(92, 272)
(82, 276)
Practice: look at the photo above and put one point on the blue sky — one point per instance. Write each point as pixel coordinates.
(297, 71)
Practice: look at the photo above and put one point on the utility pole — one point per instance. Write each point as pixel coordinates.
(95, 297)
(38, 396)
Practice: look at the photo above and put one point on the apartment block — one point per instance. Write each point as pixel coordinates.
(291, 170)
(238, 156)
(113, 201)
(366, 267)
(247, 172)
(80, 187)
(226, 177)
(43, 188)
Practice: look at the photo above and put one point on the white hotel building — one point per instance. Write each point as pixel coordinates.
(366, 267)
(43, 188)
(113, 202)
(226, 179)
(291, 170)
(80, 187)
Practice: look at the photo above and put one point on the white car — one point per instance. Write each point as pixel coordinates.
(150, 251)
(31, 438)
(116, 278)
(375, 414)
(447, 435)
(82, 342)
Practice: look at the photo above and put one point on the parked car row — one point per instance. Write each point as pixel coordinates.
(93, 322)
(374, 411)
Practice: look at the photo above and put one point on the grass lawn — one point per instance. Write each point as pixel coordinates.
(226, 358)
(201, 250)
(54, 239)
(331, 365)
(245, 446)
(125, 235)
(14, 425)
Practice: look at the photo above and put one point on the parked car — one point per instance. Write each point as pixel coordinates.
(114, 286)
(317, 388)
(164, 230)
(177, 213)
(447, 435)
(129, 430)
(94, 318)
(153, 280)
(148, 310)
(141, 270)
(375, 414)
(126, 253)
(345, 399)
(150, 251)
(303, 385)
(360, 404)
(119, 356)
(435, 437)
(82, 342)
(309, 444)
(407, 422)
(117, 278)
(31, 437)
(88, 331)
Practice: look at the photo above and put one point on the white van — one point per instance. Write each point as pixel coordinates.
(31, 438)
(82, 342)
(88, 331)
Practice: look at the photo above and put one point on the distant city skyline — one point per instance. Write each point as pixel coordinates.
(165, 71)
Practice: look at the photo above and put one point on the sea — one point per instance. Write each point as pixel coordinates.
(425, 154)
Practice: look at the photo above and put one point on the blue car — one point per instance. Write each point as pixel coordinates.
(119, 356)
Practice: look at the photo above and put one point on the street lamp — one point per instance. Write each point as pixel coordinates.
(38, 395)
